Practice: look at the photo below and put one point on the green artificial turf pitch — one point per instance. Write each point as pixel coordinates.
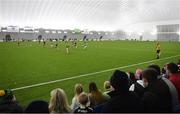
(31, 63)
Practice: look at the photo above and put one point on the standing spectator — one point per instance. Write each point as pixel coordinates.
(58, 102)
(157, 97)
(83, 107)
(37, 107)
(96, 97)
(174, 75)
(78, 89)
(8, 103)
(122, 99)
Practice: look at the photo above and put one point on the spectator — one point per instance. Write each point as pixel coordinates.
(138, 87)
(8, 103)
(96, 97)
(108, 88)
(156, 67)
(157, 97)
(138, 74)
(37, 107)
(83, 108)
(122, 99)
(172, 89)
(78, 90)
(58, 102)
(132, 77)
(174, 75)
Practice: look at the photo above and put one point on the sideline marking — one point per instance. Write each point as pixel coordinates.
(84, 75)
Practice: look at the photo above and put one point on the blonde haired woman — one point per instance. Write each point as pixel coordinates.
(78, 89)
(58, 102)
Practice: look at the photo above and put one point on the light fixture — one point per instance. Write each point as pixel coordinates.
(46, 31)
(53, 32)
(36, 31)
(4, 30)
(22, 31)
(140, 33)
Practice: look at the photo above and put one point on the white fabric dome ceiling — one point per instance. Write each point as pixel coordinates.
(86, 14)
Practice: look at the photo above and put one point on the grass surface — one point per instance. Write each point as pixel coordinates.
(31, 63)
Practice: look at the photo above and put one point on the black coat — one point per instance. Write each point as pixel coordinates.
(10, 107)
(123, 102)
(157, 97)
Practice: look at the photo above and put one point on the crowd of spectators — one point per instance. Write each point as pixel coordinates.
(150, 90)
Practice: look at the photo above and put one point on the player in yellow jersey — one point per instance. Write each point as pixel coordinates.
(158, 50)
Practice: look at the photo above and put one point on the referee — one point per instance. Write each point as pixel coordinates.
(158, 50)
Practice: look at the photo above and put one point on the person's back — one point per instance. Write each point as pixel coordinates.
(160, 91)
(84, 102)
(58, 102)
(37, 106)
(124, 102)
(8, 103)
(175, 79)
(78, 89)
(174, 75)
(83, 110)
(157, 96)
(10, 107)
(95, 96)
(138, 88)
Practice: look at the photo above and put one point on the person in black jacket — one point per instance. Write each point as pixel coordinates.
(122, 100)
(8, 103)
(37, 106)
(157, 97)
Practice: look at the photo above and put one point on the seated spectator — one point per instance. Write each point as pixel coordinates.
(174, 75)
(8, 103)
(37, 107)
(122, 99)
(157, 68)
(138, 87)
(83, 107)
(132, 78)
(58, 102)
(172, 89)
(163, 72)
(138, 74)
(78, 90)
(108, 88)
(96, 97)
(157, 97)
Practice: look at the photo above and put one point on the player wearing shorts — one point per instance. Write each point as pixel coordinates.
(56, 45)
(158, 50)
(67, 47)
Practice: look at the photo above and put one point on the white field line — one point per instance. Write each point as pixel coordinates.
(90, 74)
